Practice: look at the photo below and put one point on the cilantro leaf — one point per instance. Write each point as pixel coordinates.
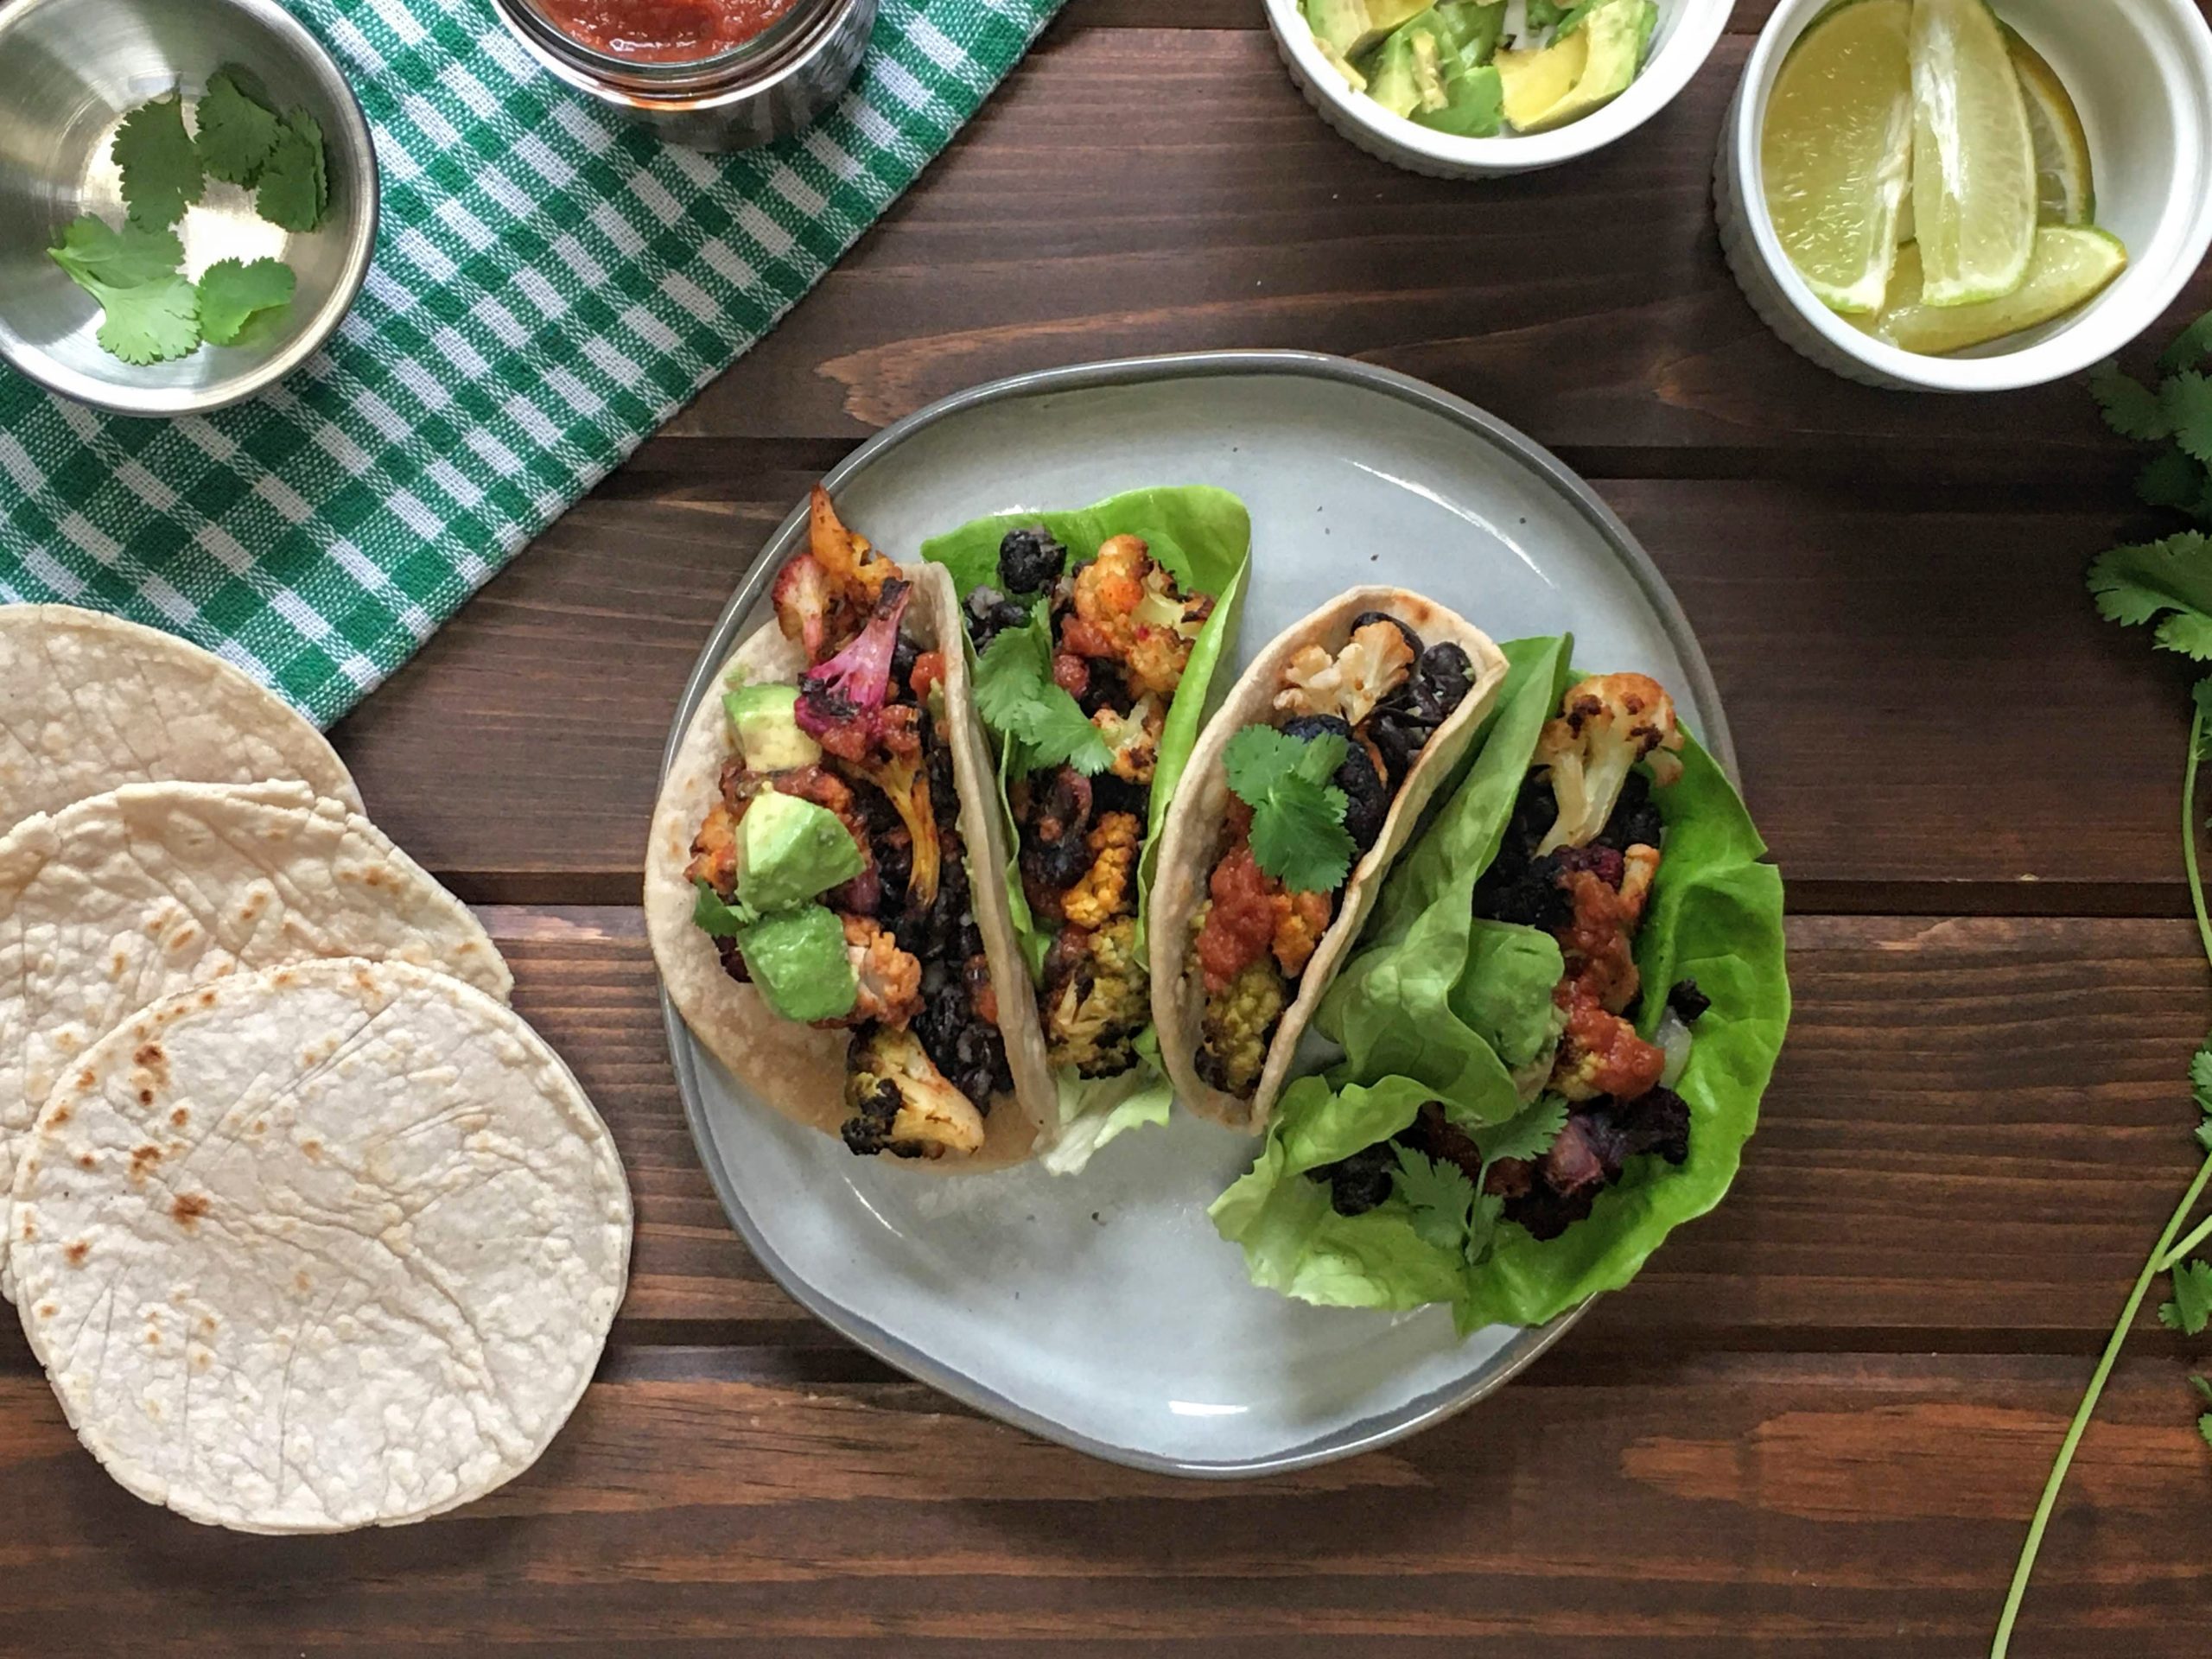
(2134, 584)
(91, 248)
(2199, 1064)
(2190, 347)
(719, 918)
(238, 133)
(2187, 401)
(160, 168)
(2170, 479)
(230, 294)
(153, 313)
(295, 187)
(1298, 820)
(2204, 1427)
(2131, 407)
(2192, 1304)
(1528, 1136)
(2200, 1386)
(1440, 1196)
(1018, 698)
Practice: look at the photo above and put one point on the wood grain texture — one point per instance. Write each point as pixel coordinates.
(1857, 1506)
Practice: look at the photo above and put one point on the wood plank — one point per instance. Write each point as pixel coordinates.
(1858, 1507)
(1061, 229)
(518, 754)
(1978, 1128)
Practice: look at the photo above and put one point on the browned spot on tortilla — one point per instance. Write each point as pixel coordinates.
(145, 1097)
(312, 1151)
(153, 1339)
(180, 1117)
(283, 977)
(188, 1208)
(76, 1252)
(58, 1116)
(29, 1231)
(300, 1282)
(85, 1081)
(86, 1160)
(374, 879)
(122, 966)
(208, 1322)
(47, 1310)
(364, 980)
(149, 1055)
(202, 1360)
(260, 1126)
(207, 999)
(142, 1160)
(253, 904)
(184, 938)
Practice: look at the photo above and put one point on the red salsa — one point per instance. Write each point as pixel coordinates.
(664, 31)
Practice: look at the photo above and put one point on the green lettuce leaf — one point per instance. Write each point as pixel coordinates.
(1203, 537)
(1438, 1000)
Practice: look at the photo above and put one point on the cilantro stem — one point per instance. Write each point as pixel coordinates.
(2086, 1409)
(2187, 1248)
(2162, 1257)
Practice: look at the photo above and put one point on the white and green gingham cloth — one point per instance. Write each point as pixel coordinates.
(551, 283)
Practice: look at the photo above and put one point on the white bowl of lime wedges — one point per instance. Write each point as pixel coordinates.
(1963, 195)
(1478, 89)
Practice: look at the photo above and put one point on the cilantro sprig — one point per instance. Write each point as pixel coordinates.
(2166, 582)
(152, 312)
(1018, 698)
(719, 918)
(1298, 815)
(1454, 1212)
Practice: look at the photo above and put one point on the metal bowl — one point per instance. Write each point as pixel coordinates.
(70, 72)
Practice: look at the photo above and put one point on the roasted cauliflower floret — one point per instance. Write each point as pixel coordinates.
(1097, 998)
(1374, 663)
(1133, 738)
(1601, 1054)
(1126, 608)
(1607, 724)
(1300, 920)
(890, 980)
(825, 593)
(898, 1101)
(1238, 1026)
(1104, 890)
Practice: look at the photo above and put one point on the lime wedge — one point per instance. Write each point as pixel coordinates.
(2066, 191)
(1837, 150)
(1973, 159)
(2071, 265)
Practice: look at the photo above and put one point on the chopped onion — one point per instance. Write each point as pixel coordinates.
(1673, 1037)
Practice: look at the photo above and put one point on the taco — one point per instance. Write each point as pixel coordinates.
(1095, 635)
(1302, 794)
(1556, 1033)
(825, 887)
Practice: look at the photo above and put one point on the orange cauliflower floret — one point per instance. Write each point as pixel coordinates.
(1374, 663)
(890, 980)
(1606, 725)
(1104, 893)
(1133, 738)
(1300, 920)
(1128, 608)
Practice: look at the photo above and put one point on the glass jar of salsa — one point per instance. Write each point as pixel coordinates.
(713, 74)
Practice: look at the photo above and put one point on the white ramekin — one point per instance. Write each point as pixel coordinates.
(2140, 73)
(1687, 31)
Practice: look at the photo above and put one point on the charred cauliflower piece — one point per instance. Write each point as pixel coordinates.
(1104, 893)
(1239, 1022)
(1097, 999)
(1133, 738)
(1126, 608)
(890, 980)
(898, 1101)
(1607, 724)
(1374, 663)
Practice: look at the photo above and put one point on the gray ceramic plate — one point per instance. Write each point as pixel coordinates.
(1101, 1310)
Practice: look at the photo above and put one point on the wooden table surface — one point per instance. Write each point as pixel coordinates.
(1815, 1426)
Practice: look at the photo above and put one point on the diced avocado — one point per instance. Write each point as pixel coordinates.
(1391, 81)
(788, 850)
(798, 960)
(1428, 70)
(1349, 28)
(765, 720)
(1580, 72)
(1474, 105)
(1472, 27)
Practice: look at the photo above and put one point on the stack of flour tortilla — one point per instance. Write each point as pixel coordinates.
(309, 1229)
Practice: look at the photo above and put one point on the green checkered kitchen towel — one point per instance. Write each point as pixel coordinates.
(550, 284)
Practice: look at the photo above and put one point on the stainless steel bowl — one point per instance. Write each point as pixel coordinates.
(764, 90)
(70, 72)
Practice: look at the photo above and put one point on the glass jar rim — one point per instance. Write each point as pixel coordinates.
(666, 76)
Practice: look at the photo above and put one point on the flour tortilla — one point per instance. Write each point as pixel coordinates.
(326, 1246)
(89, 702)
(114, 903)
(797, 1070)
(1192, 838)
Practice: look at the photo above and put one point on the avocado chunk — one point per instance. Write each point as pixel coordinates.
(1580, 72)
(798, 960)
(1474, 103)
(1349, 28)
(765, 720)
(1393, 80)
(1472, 29)
(789, 849)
